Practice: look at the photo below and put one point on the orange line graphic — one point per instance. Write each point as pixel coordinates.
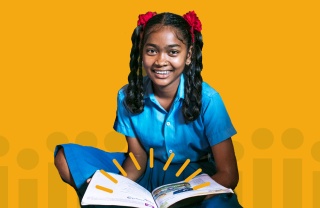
(201, 185)
(151, 157)
(123, 172)
(104, 189)
(183, 167)
(109, 176)
(193, 175)
(134, 160)
(168, 162)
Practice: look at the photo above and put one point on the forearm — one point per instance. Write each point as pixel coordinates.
(132, 172)
(226, 164)
(227, 179)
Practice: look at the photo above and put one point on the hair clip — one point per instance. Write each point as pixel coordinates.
(194, 22)
(144, 18)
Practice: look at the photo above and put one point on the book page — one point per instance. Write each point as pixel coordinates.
(169, 194)
(125, 192)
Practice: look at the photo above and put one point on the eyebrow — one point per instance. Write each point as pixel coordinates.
(168, 46)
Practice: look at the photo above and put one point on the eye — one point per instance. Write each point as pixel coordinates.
(151, 51)
(174, 52)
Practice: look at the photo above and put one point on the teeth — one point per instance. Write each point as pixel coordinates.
(162, 72)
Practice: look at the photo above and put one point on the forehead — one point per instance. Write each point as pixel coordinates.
(164, 34)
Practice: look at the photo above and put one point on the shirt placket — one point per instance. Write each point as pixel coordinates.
(169, 132)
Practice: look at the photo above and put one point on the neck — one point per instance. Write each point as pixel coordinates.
(165, 96)
(168, 92)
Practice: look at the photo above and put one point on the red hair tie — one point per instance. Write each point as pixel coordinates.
(194, 22)
(144, 18)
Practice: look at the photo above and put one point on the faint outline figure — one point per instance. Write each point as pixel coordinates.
(292, 139)
(87, 138)
(315, 152)
(262, 138)
(28, 159)
(57, 190)
(4, 174)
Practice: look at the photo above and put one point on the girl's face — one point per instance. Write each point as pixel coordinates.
(164, 58)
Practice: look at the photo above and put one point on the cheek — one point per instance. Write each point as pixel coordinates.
(179, 63)
(146, 63)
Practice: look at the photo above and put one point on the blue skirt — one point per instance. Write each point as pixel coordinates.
(83, 161)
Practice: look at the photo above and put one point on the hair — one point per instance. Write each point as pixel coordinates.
(193, 80)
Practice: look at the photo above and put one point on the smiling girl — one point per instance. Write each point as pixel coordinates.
(171, 110)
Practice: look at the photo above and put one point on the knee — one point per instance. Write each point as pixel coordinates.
(62, 166)
(60, 159)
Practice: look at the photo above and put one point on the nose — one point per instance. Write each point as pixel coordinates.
(161, 60)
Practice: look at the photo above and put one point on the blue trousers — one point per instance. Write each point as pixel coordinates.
(83, 161)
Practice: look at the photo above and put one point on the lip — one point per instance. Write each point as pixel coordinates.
(162, 74)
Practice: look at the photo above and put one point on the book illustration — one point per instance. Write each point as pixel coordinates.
(175, 189)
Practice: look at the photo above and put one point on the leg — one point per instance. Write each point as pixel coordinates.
(61, 164)
(77, 163)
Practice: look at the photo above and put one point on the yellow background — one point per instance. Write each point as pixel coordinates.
(62, 63)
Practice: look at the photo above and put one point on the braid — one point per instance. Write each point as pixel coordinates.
(134, 91)
(193, 85)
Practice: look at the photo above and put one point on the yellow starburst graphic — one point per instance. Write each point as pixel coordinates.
(151, 159)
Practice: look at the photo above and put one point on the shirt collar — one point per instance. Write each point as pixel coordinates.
(149, 91)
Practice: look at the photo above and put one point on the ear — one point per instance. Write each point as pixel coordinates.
(189, 55)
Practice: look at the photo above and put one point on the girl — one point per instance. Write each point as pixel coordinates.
(170, 110)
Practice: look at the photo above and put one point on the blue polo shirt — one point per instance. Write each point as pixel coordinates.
(167, 132)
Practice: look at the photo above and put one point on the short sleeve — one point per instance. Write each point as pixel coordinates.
(122, 123)
(218, 126)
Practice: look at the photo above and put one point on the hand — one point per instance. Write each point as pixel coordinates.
(88, 180)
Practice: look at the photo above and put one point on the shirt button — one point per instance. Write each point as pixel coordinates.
(170, 151)
(168, 123)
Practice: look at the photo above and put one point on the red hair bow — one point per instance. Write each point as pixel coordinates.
(144, 18)
(193, 20)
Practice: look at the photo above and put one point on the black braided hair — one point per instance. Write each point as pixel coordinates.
(193, 85)
(193, 81)
(134, 92)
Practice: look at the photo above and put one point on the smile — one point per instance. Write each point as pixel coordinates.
(161, 72)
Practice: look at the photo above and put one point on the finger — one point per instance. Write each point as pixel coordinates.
(88, 180)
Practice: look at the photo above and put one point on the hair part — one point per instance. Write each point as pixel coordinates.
(193, 80)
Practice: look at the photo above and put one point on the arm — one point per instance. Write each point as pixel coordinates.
(135, 147)
(226, 164)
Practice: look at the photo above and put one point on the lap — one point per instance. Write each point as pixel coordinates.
(83, 161)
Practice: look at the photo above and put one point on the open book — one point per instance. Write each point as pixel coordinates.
(113, 189)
